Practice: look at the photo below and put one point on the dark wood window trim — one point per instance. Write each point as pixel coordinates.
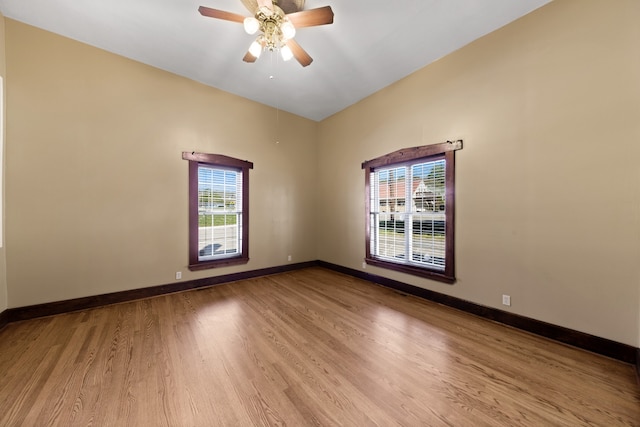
(195, 160)
(444, 150)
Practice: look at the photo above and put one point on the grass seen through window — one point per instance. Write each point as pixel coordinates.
(216, 220)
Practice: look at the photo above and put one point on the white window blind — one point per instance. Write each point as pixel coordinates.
(407, 214)
(219, 212)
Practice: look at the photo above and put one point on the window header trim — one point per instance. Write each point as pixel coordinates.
(412, 154)
(216, 159)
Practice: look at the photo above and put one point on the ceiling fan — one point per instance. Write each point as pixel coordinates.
(277, 27)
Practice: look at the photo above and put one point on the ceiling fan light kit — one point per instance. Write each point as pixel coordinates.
(251, 25)
(286, 53)
(277, 28)
(288, 30)
(255, 49)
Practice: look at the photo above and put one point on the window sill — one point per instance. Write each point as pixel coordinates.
(218, 263)
(410, 269)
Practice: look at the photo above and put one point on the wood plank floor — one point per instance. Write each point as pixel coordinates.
(310, 347)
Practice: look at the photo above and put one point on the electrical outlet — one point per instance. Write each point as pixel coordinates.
(178, 275)
(364, 265)
(506, 300)
(289, 258)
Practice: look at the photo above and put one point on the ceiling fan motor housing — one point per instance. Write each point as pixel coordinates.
(288, 6)
(271, 22)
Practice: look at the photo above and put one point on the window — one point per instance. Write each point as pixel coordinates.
(410, 211)
(218, 210)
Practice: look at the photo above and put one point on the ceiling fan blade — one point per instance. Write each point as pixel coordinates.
(220, 14)
(248, 57)
(299, 53)
(312, 17)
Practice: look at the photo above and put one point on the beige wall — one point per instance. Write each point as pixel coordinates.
(548, 194)
(96, 187)
(547, 183)
(3, 265)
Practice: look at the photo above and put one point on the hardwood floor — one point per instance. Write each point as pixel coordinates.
(310, 347)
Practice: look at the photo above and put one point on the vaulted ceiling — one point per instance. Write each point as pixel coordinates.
(371, 44)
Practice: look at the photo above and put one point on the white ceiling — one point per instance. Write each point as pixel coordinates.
(371, 44)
